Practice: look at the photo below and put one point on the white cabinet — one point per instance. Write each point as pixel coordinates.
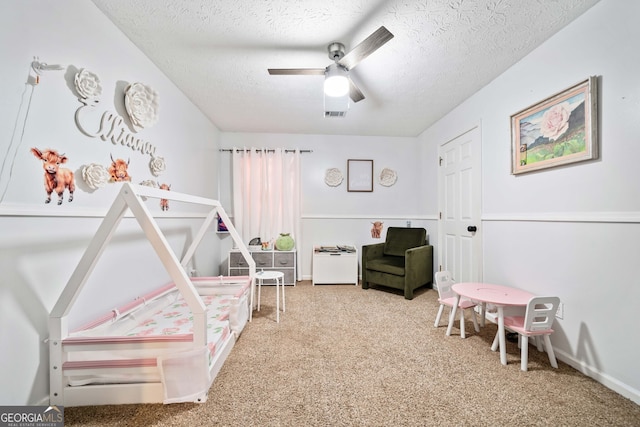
(335, 266)
(284, 261)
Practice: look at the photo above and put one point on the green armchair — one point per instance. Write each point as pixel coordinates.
(404, 261)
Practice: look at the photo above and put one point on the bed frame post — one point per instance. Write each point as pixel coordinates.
(245, 253)
(58, 327)
(57, 357)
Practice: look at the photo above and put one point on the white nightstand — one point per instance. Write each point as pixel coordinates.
(335, 266)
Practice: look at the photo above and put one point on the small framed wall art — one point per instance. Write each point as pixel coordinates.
(359, 175)
(559, 130)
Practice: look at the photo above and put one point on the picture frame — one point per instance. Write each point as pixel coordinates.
(359, 175)
(560, 130)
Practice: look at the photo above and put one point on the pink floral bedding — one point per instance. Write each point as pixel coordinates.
(177, 319)
(162, 316)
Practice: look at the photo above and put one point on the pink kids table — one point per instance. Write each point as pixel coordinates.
(486, 293)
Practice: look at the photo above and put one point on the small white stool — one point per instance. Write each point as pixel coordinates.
(278, 276)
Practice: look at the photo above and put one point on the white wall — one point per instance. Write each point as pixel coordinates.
(331, 215)
(40, 244)
(571, 231)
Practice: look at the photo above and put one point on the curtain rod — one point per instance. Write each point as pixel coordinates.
(260, 150)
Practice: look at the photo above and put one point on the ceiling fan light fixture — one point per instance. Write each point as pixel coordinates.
(336, 82)
(338, 86)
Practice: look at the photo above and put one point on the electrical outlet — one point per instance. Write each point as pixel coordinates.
(408, 224)
(560, 311)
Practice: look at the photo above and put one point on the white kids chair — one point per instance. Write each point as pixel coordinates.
(537, 322)
(447, 297)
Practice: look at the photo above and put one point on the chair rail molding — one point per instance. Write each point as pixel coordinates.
(597, 217)
(431, 217)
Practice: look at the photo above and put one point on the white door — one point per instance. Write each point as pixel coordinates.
(459, 188)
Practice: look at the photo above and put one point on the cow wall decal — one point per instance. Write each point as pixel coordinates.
(376, 229)
(56, 178)
(164, 203)
(119, 170)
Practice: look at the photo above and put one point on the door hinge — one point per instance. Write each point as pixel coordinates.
(440, 215)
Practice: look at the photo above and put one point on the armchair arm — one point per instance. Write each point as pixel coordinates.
(419, 264)
(370, 252)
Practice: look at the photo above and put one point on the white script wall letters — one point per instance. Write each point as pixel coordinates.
(113, 128)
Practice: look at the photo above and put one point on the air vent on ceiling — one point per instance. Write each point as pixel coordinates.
(336, 106)
(335, 113)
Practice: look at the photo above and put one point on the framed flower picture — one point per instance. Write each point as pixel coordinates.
(559, 130)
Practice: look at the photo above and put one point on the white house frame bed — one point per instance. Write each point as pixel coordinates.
(117, 358)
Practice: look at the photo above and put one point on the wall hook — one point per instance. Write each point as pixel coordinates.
(38, 67)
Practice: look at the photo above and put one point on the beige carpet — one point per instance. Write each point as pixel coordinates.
(344, 356)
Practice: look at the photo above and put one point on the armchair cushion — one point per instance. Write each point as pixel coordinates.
(388, 264)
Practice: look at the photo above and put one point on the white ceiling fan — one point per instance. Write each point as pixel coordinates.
(337, 81)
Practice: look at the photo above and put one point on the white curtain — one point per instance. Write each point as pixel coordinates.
(266, 195)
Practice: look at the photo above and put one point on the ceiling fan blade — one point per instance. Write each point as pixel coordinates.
(366, 48)
(296, 71)
(354, 93)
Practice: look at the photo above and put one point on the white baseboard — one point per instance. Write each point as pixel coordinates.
(604, 379)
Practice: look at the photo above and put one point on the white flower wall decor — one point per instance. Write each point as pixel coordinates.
(142, 105)
(148, 183)
(388, 177)
(95, 176)
(333, 177)
(88, 86)
(157, 165)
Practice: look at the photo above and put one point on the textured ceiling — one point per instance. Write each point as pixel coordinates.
(218, 52)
